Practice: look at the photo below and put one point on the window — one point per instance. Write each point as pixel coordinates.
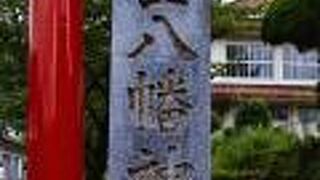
(249, 60)
(280, 113)
(300, 65)
(307, 115)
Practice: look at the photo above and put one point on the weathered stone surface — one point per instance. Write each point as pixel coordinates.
(160, 92)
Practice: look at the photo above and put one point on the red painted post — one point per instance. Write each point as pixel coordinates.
(55, 135)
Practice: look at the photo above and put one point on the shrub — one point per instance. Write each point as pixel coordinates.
(309, 159)
(253, 113)
(255, 153)
(216, 121)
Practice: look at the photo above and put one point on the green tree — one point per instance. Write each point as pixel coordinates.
(12, 64)
(293, 21)
(224, 19)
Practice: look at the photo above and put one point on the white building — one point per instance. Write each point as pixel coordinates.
(11, 161)
(282, 76)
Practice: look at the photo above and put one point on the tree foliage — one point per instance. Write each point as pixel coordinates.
(309, 155)
(293, 21)
(232, 20)
(255, 153)
(97, 51)
(253, 113)
(12, 64)
(265, 153)
(224, 19)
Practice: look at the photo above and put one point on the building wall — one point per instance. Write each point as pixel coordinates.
(282, 66)
(11, 165)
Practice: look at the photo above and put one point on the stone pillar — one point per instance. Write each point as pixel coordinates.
(160, 90)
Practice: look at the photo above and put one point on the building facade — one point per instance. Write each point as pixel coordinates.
(11, 161)
(281, 76)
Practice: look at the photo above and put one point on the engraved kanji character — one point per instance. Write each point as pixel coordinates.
(150, 171)
(173, 95)
(181, 45)
(141, 96)
(147, 3)
(146, 168)
(182, 171)
(147, 40)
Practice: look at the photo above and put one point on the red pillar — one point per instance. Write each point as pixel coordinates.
(55, 134)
